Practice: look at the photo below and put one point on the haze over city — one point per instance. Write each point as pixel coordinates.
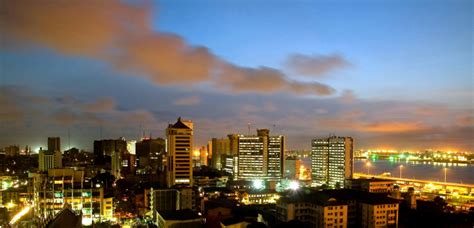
(394, 75)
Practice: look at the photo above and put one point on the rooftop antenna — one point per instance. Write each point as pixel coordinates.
(248, 126)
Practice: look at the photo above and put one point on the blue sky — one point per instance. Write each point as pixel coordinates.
(395, 74)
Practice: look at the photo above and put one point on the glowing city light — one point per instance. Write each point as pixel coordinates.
(294, 185)
(258, 184)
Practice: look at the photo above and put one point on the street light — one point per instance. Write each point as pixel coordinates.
(368, 167)
(401, 166)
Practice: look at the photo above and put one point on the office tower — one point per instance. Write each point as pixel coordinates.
(332, 160)
(54, 144)
(107, 146)
(234, 144)
(276, 160)
(260, 156)
(220, 148)
(179, 148)
(49, 160)
(46, 160)
(150, 153)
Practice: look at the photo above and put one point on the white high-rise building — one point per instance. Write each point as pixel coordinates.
(260, 156)
(332, 160)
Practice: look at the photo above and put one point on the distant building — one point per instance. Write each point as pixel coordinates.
(54, 144)
(203, 156)
(107, 147)
(292, 167)
(150, 154)
(260, 156)
(371, 185)
(49, 160)
(179, 153)
(220, 148)
(332, 160)
(13, 150)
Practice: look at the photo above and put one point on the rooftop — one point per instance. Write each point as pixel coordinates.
(179, 124)
(186, 214)
(337, 197)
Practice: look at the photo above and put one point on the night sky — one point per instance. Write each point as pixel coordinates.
(391, 74)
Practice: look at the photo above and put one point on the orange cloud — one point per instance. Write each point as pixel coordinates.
(193, 100)
(391, 127)
(122, 34)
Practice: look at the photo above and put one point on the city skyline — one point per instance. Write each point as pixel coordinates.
(392, 75)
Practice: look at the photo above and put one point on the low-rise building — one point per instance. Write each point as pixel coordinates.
(259, 196)
(318, 210)
(371, 185)
(339, 208)
(176, 219)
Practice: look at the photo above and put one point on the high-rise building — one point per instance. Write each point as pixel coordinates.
(332, 160)
(150, 153)
(46, 160)
(260, 156)
(54, 144)
(179, 153)
(220, 148)
(107, 147)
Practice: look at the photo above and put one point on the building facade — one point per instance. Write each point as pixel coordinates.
(57, 188)
(49, 160)
(260, 156)
(179, 153)
(54, 144)
(332, 161)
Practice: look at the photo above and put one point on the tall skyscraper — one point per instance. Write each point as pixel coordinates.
(332, 160)
(260, 156)
(54, 144)
(220, 148)
(179, 152)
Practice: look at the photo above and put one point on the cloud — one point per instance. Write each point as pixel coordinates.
(315, 65)
(347, 97)
(392, 127)
(105, 104)
(188, 101)
(122, 34)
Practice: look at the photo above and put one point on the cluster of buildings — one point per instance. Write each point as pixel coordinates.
(236, 172)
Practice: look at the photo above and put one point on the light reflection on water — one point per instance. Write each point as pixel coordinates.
(456, 172)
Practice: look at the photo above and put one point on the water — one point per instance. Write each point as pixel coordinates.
(456, 173)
